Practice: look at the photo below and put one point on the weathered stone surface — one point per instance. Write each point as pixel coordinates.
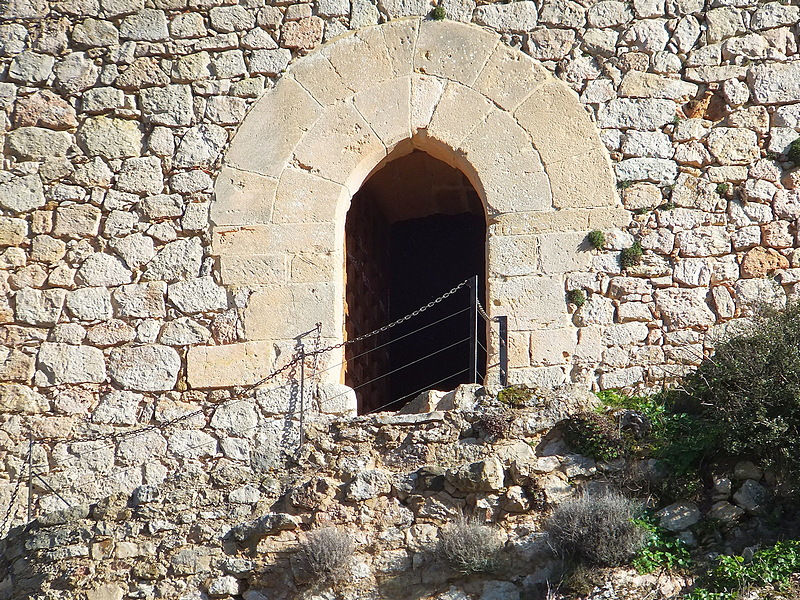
(200, 146)
(90, 304)
(39, 307)
(110, 137)
(679, 516)
(144, 300)
(64, 363)
(44, 109)
(177, 260)
(733, 146)
(22, 194)
(304, 34)
(77, 220)
(486, 475)
(681, 308)
(751, 496)
(170, 105)
(368, 484)
(197, 295)
(111, 333)
(760, 262)
(118, 408)
(144, 368)
(643, 114)
(32, 143)
(16, 398)
(608, 13)
(192, 444)
(775, 83)
(231, 364)
(518, 16)
(145, 25)
(103, 270)
(141, 176)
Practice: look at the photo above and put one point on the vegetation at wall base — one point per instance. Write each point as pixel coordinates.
(516, 396)
(662, 551)
(794, 152)
(750, 390)
(438, 13)
(594, 435)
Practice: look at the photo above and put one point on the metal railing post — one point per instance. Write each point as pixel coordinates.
(302, 389)
(30, 476)
(473, 341)
(502, 322)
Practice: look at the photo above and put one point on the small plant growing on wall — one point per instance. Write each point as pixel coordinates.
(723, 189)
(794, 152)
(597, 239)
(328, 551)
(630, 257)
(576, 297)
(515, 396)
(438, 13)
(469, 546)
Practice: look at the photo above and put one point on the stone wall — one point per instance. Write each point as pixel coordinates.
(116, 116)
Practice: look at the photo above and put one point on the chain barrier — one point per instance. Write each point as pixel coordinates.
(239, 396)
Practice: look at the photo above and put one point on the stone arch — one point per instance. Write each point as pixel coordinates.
(340, 113)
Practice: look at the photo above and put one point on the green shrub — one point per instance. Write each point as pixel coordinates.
(576, 297)
(624, 184)
(592, 434)
(750, 390)
(597, 239)
(794, 152)
(723, 189)
(438, 13)
(469, 546)
(661, 550)
(770, 566)
(515, 396)
(632, 256)
(597, 530)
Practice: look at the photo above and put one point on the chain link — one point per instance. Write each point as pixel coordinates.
(399, 321)
(483, 313)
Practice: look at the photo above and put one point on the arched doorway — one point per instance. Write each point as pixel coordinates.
(414, 230)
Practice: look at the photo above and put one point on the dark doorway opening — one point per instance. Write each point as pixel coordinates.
(415, 230)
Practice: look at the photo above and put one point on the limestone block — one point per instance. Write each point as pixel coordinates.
(400, 37)
(149, 368)
(135, 250)
(64, 363)
(75, 73)
(265, 239)
(16, 398)
(77, 220)
(31, 68)
(284, 311)
(39, 307)
(516, 17)
(107, 591)
(192, 444)
(337, 399)
(531, 301)
(13, 232)
(304, 34)
(544, 377)
(103, 270)
(305, 198)
(647, 114)
(583, 180)
(229, 365)
(609, 14)
(509, 170)
(318, 77)
(553, 346)
(452, 50)
(140, 448)
(458, 112)
(197, 295)
(341, 146)
(22, 194)
(90, 304)
(775, 83)
(405, 8)
(15, 365)
(141, 300)
(145, 25)
(682, 308)
(362, 60)
(110, 137)
(732, 146)
(511, 256)
(386, 107)
(647, 144)
(637, 84)
(242, 198)
(257, 270)
(557, 123)
(774, 14)
(110, 333)
(563, 13)
(141, 175)
(277, 122)
(180, 259)
(753, 294)
(34, 143)
(426, 91)
(183, 331)
(118, 408)
(703, 241)
(236, 418)
(657, 170)
(550, 44)
(200, 146)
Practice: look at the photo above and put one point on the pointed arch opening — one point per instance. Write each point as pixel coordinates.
(414, 230)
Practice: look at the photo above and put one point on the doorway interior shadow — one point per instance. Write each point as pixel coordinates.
(414, 230)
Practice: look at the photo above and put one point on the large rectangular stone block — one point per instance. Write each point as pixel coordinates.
(266, 239)
(284, 311)
(229, 365)
(509, 77)
(242, 198)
